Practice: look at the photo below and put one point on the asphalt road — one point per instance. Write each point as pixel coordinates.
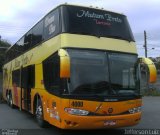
(15, 119)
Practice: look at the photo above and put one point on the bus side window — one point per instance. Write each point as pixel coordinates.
(51, 24)
(31, 76)
(28, 77)
(16, 78)
(37, 35)
(28, 40)
(51, 74)
(20, 46)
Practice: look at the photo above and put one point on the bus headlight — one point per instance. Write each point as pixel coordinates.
(76, 111)
(135, 110)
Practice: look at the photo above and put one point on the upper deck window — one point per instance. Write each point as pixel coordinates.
(37, 33)
(88, 21)
(51, 24)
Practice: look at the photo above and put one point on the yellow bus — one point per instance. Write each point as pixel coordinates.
(77, 68)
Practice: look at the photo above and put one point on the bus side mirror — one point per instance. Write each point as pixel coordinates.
(64, 64)
(151, 68)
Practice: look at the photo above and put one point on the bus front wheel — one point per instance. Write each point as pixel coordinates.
(39, 114)
(11, 100)
(7, 97)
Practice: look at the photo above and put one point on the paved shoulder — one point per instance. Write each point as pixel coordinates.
(14, 118)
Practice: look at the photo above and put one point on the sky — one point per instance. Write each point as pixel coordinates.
(18, 16)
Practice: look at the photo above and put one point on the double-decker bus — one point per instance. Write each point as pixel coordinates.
(77, 68)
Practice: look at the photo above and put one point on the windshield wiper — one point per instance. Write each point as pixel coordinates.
(127, 93)
(101, 87)
(97, 85)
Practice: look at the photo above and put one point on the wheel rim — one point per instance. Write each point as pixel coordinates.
(8, 99)
(39, 112)
(11, 102)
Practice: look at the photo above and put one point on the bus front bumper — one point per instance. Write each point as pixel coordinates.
(100, 122)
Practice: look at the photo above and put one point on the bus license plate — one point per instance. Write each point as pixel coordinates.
(109, 123)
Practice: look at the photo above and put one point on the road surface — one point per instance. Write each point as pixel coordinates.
(15, 119)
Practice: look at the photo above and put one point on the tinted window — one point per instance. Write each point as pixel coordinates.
(20, 45)
(12, 53)
(51, 74)
(95, 22)
(51, 24)
(28, 77)
(31, 77)
(28, 40)
(37, 33)
(122, 77)
(89, 72)
(24, 78)
(15, 50)
(16, 78)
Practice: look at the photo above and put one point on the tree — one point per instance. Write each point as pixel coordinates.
(3, 47)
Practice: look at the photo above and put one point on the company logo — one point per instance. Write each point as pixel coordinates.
(89, 14)
(110, 110)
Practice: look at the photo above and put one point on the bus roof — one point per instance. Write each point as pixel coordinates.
(65, 4)
(92, 7)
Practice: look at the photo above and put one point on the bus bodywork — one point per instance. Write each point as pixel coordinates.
(84, 74)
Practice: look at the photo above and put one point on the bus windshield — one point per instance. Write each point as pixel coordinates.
(95, 22)
(102, 73)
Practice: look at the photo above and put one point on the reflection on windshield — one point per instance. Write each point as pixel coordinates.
(122, 68)
(96, 88)
(101, 73)
(88, 68)
(122, 73)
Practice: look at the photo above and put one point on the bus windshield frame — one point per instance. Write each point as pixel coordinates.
(100, 73)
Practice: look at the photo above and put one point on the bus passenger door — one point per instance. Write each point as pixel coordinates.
(27, 83)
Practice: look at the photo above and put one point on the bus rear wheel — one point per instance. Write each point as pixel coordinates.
(7, 97)
(39, 114)
(11, 100)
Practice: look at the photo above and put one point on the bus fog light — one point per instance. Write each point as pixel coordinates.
(76, 111)
(135, 110)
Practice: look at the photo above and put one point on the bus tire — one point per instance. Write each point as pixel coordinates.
(7, 97)
(11, 100)
(39, 114)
